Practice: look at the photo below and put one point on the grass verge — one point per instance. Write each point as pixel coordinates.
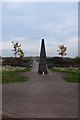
(12, 76)
(70, 76)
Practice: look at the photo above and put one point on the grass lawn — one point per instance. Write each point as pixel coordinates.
(9, 76)
(71, 76)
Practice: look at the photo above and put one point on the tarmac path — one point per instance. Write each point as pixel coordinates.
(42, 96)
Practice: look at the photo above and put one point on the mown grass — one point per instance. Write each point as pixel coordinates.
(70, 76)
(13, 76)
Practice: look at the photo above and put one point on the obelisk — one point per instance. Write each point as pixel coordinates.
(42, 63)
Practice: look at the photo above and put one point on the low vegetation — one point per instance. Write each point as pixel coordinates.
(72, 75)
(13, 75)
(16, 62)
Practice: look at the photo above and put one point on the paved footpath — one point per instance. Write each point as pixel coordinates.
(42, 96)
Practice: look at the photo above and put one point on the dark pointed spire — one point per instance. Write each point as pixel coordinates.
(42, 62)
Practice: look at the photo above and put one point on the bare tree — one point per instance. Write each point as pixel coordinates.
(16, 46)
(62, 50)
(20, 53)
(17, 50)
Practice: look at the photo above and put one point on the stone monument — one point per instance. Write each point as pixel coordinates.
(42, 63)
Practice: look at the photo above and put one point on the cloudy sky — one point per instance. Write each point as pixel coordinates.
(28, 23)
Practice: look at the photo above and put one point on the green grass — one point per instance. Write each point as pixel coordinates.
(13, 75)
(70, 76)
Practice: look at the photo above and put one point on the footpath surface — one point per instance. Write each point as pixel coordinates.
(42, 96)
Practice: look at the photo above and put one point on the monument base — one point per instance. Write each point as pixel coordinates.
(42, 69)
